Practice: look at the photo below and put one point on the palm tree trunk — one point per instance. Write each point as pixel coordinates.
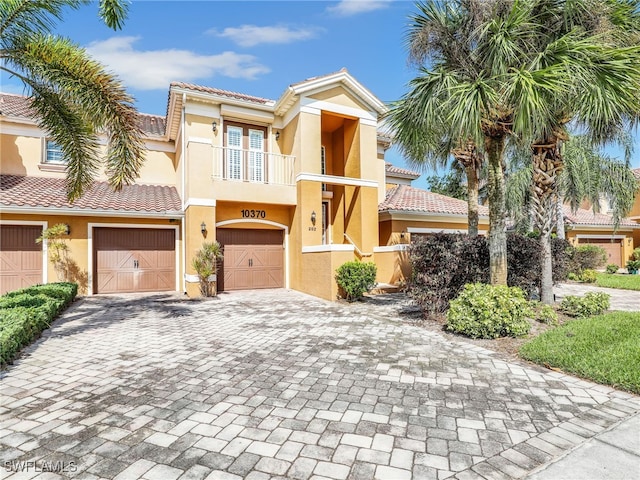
(494, 147)
(559, 217)
(472, 199)
(547, 165)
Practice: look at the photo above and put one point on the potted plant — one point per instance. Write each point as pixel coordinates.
(633, 266)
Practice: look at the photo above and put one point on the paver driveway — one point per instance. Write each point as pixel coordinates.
(277, 384)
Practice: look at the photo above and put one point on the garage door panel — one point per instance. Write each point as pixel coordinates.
(252, 259)
(134, 260)
(612, 248)
(20, 257)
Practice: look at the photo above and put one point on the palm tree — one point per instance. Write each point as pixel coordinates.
(429, 144)
(74, 98)
(587, 175)
(601, 75)
(484, 84)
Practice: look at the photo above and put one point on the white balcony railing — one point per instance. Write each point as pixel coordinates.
(252, 166)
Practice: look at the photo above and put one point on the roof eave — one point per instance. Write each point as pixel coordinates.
(175, 214)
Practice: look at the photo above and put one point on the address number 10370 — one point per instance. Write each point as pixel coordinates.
(253, 213)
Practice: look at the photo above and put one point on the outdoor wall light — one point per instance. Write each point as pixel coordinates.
(203, 227)
(277, 136)
(402, 234)
(214, 126)
(67, 229)
(313, 217)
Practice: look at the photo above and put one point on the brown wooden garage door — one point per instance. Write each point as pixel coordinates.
(252, 259)
(20, 257)
(613, 248)
(134, 260)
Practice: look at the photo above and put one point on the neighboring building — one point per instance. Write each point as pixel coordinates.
(586, 227)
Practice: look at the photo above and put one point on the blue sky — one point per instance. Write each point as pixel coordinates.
(258, 47)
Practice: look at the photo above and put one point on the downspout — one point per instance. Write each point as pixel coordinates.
(183, 153)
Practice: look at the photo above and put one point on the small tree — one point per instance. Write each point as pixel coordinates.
(66, 268)
(206, 263)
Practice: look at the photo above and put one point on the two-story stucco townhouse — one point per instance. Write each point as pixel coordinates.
(290, 188)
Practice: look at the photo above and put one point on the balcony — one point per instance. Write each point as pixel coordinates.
(253, 166)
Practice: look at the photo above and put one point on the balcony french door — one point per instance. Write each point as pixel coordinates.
(234, 153)
(256, 156)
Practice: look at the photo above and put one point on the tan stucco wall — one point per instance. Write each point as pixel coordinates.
(24, 155)
(339, 96)
(393, 267)
(390, 230)
(194, 216)
(318, 271)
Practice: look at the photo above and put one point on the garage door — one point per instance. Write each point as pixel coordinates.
(252, 259)
(134, 260)
(613, 247)
(20, 257)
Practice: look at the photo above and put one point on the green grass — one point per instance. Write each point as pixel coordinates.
(605, 349)
(627, 282)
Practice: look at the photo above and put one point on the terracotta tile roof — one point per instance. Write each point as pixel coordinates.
(18, 106)
(587, 217)
(393, 170)
(41, 192)
(152, 125)
(15, 105)
(411, 199)
(223, 93)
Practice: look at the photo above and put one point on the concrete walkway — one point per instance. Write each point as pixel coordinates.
(627, 300)
(277, 384)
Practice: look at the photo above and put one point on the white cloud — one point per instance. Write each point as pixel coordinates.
(155, 69)
(346, 8)
(250, 35)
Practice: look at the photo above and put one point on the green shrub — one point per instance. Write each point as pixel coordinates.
(636, 254)
(587, 257)
(25, 313)
(633, 266)
(439, 275)
(546, 314)
(562, 252)
(489, 311)
(588, 276)
(442, 264)
(356, 278)
(612, 268)
(592, 303)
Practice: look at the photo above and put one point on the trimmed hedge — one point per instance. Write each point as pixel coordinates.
(25, 313)
(442, 264)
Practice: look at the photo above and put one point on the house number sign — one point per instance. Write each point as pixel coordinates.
(253, 213)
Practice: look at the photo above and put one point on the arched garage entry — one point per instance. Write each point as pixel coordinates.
(253, 257)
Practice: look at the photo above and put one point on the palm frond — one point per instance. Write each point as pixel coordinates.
(87, 88)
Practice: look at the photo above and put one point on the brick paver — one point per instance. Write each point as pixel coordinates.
(279, 384)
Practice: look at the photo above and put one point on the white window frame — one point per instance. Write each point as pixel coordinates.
(231, 151)
(256, 155)
(56, 150)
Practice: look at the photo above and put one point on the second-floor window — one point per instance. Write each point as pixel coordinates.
(53, 153)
